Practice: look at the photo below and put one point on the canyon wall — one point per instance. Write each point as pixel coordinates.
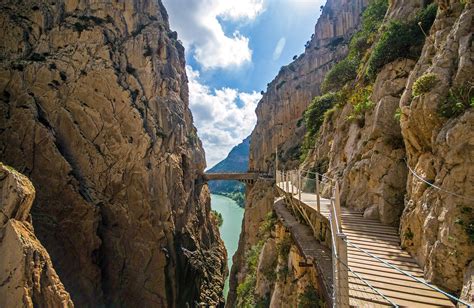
(437, 225)
(279, 116)
(397, 133)
(288, 95)
(26, 273)
(372, 151)
(94, 110)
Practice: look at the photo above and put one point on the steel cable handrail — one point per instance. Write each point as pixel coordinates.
(336, 256)
(368, 284)
(407, 274)
(316, 173)
(435, 186)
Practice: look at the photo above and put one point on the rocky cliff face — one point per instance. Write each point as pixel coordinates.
(397, 133)
(437, 222)
(94, 109)
(27, 276)
(291, 91)
(372, 156)
(259, 202)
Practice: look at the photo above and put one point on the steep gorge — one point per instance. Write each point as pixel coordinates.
(392, 121)
(94, 110)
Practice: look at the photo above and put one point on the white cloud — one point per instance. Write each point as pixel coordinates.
(197, 22)
(279, 48)
(223, 117)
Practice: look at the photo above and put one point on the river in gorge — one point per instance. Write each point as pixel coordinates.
(230, 230)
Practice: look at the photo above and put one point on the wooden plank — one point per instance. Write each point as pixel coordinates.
(384, 288)
(383, 268)
(409, 267)
(384, 242)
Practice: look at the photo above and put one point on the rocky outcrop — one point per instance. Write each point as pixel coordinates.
(367, 154)
(436, 226)
(259, 202)
(27, 276)
(94, 110)
(400, 140)
(296, 84)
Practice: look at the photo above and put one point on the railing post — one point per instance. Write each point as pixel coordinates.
(291, 182)
(342, 271)
(286, 182)
(335, 284)
(318, 198)
(276, 159)
(337, 205)
(299, 185)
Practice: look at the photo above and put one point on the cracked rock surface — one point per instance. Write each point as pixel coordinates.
(94, 110)
(27, 276)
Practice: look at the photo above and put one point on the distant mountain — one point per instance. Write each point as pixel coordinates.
(236, 161)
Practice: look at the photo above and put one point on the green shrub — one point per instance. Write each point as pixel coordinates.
(458, 100)
(401, 40)
(360, 99)
(310, 299)
(218, 217)
(371, 20)
(314, 114)
(267, 225)
(346, 70)
(468, 227)
(424, 84)
(339, 74)
(245, 290)
(409, 234)
(314, 117)
(398, 114)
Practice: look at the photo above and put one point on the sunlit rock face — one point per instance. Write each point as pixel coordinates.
(26, 272)
(436, 225)
(401, 130)
(296, 84)
(94, 109)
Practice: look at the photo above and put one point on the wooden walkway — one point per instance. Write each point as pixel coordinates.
(382, 241)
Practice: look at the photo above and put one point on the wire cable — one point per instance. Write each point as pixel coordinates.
(407, 274)
(435, 186)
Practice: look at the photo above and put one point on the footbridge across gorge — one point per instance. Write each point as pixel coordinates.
(244, 177)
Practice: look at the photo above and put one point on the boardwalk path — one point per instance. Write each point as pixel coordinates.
(383, 242)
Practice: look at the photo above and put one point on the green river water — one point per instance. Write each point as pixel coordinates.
(230, 230)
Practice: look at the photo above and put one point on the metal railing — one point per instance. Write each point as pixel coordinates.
(306, 184)
(347, 283)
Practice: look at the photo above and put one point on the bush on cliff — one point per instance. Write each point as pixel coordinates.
(424, 84)
(314, 114)
(346, 70)
(340, 74)
(371, 20)
(401, 40)
(314, 118)
(458, 100)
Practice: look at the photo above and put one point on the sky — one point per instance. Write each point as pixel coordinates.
(233, 49)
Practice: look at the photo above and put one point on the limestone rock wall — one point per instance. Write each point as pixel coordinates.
(372, 155)
(436, 225)
(296, 84)
(94, 109)
(367, 155)
(258, 203)
(27, 276)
